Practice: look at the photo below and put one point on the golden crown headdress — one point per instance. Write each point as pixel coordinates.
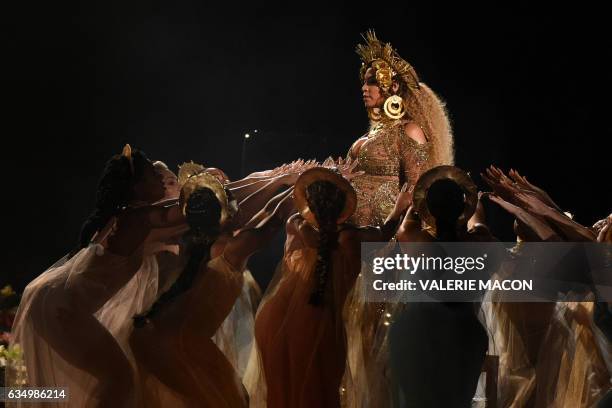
(187, 170)
(323, 174)
(455, 174)
(193, 176)
(387, 62)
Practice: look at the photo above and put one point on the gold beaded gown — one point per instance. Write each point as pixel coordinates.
(389, 158)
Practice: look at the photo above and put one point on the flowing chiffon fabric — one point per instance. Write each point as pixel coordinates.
(63, 342)
(235, 337)
(74, 320)
(367, 381)
(301, 349)
(574, 367)
(178, 362)
(551, 354)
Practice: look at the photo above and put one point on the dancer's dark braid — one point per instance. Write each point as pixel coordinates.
(326, 201)
(203, 212)
(114, 193)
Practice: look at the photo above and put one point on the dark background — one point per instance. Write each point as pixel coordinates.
(185, 83)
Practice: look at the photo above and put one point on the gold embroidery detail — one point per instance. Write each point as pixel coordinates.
(389, 158)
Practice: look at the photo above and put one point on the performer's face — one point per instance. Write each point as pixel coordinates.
(171, 185)
(372, 97)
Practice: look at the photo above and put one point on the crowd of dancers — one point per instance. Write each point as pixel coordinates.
(156, 307)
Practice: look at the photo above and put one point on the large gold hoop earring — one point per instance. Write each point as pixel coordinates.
(394, 107)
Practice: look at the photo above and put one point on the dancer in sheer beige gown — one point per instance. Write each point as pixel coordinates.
(551, 354)
(64, 343)
(172, 341)
(299, 327)
(235, 336)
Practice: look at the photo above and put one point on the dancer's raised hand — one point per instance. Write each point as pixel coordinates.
(329, 162)
(537, 225)
(498, 184)
(605, 234)
(532, 203)
(348, 170)
(524, 184)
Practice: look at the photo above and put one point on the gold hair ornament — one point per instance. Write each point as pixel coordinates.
(463, 179)
(193, 176)
(323, 174)
(187, 170)
(382, 57)
(127, 153)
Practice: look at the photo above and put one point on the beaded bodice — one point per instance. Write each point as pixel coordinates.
(389, 159)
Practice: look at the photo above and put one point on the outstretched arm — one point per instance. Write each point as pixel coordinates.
(542, 230)
(250, 240)
(263, 176)
(163, 217)
(268, 209)
(536, 202)
(253, 203)
(479, 215)
(134, 226)
(526, 185)
(605, 235)
(572, 230)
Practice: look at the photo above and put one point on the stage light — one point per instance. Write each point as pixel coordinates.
(255, 131)
(246, 135)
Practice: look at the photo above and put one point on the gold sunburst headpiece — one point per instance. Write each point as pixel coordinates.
(463, 179)
(323, 174)
(386, 62)
(187, 170)
(193, 176)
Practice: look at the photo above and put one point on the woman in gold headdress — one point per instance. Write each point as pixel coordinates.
(299, 327)
(172, 341)
(409, 133)
(235, 336)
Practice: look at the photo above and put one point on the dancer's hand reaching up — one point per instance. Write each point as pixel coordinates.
(524, 184)
(499, 183)
(404, 199)
(605, 234)
(329, 162)
(479, 213)
(538, 226)
(503, 186)
(532, 203)
(347, 169)
(289, 173)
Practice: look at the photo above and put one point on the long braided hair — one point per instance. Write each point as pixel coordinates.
(326, 201)
(203, 212)
(114, 192)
